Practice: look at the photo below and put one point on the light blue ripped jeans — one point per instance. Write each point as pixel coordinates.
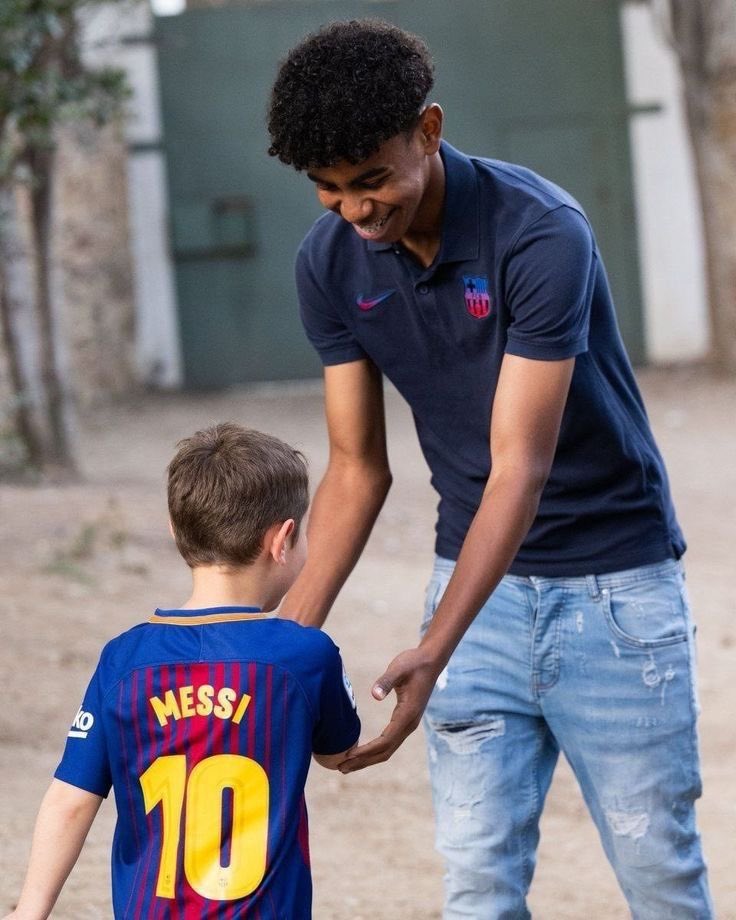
(602, 668)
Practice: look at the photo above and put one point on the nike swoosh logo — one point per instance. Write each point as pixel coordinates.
(368, 303)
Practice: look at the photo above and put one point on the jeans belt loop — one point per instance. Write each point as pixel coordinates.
(592, 583)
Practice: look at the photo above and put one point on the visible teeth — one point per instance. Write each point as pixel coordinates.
(376, 225)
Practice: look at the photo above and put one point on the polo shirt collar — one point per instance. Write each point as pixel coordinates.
(460, 217)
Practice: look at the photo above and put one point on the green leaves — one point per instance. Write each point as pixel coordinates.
(43, 79)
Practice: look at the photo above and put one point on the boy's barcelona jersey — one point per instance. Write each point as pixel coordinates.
(204, 723)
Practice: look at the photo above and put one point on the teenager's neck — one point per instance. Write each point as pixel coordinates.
(226, 586)
(424, 236)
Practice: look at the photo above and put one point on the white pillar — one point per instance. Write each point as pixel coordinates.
(668, 207)
(121, 35)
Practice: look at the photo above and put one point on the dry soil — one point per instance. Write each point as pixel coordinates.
(82, 562)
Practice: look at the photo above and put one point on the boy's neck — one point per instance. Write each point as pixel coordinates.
(227, 586)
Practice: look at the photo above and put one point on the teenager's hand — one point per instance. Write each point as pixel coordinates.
(412, 674)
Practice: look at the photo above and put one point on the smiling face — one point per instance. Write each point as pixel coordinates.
(395, 193)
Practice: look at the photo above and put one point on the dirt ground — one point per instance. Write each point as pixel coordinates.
(82, 562)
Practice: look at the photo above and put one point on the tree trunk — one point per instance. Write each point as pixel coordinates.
(704, 34)
(21, 340)
(58, 399)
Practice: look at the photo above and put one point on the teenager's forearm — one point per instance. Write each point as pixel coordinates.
(506, 513)
(64, 819)
(343, 512)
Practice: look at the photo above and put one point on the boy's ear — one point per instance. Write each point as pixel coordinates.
(280, 540)
(171, 529)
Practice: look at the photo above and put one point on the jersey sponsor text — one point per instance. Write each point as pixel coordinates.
(83, 722)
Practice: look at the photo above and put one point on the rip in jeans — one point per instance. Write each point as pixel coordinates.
(467, 737)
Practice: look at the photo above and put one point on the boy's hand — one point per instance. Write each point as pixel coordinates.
(412, 674)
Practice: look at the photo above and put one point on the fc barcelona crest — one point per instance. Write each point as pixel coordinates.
(477, 301)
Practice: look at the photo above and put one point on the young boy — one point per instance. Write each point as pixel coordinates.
(203, 719)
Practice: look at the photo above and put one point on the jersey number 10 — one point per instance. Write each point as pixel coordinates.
(200, 796)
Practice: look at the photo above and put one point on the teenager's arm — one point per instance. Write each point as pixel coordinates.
(527, 412)
(63, 821)
(351, 492)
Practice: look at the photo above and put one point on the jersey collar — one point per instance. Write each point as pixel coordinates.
(200, 615)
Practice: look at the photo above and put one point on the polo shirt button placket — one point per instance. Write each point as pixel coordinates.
(423, 289)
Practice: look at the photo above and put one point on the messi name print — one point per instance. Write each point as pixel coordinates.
(477, 300)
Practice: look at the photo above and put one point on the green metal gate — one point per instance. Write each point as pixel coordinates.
(523, 80)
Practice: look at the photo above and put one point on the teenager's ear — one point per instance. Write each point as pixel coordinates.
(281, 540)
(171, 529)
(430, 124)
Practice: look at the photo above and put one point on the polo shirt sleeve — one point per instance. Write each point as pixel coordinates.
(550, 277)
(325, 328)
(338, 725)
(85, 762)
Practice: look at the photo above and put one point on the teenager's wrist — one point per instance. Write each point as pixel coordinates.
(436, 651)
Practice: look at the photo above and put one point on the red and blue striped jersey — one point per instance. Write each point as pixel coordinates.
(203, 722)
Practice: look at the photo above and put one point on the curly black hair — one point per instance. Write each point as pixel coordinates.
(344, 90)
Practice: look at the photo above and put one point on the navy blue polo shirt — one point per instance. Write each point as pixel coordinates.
(518, 272)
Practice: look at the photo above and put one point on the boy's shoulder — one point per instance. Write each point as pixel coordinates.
(306, 640)
(124, 648)
(279, 641)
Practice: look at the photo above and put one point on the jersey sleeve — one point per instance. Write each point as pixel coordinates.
(325, 329)
(85, 762)
(338, 725)
(550, 277)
